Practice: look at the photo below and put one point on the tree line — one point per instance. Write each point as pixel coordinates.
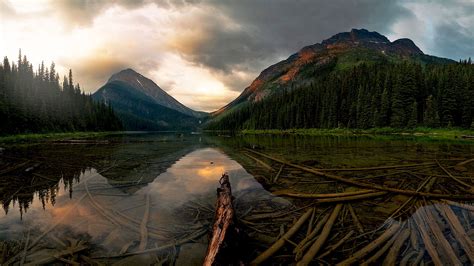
(36, 101)
(398, 95)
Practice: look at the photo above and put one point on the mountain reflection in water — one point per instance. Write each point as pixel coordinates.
(104, 211)
(97, 198)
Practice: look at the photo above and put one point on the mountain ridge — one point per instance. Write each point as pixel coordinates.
(143, 105)
(150, 88)
(330, 51)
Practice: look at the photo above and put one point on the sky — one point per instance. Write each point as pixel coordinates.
(205, 52)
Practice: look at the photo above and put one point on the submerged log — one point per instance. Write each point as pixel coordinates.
(368, 185)
(224, 230)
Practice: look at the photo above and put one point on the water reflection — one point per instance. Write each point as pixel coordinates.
(98, 194)
(108, 213)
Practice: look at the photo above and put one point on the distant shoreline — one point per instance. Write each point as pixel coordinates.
(429, 133)
(57, 136)
(434, 133)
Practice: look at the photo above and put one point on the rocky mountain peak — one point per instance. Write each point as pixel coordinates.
(356, 36)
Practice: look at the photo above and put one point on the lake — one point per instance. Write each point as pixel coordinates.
(149, 198)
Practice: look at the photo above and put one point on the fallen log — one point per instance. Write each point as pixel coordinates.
(457, 229)
(301, 247)
(358, 255)
(280, 242)
(428, 243)
(223, 230)
(394, 251)
(355, 219)
(351, 198)
(318, 244)
(337, 245)
(469, 187)
(324, 195)
(275, 179)
(367, 185)
(374, 168)
(262, 163)
(143, 225)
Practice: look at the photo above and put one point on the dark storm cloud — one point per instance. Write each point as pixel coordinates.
(453, 43)
(454, 37)
(246, 36)
(267, 31)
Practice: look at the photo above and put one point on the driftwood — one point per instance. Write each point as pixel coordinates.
(280, 242)
(301, 247)
(265, 165)
(318, 244)
(425, 236)
(337, 245)
(324, 195)
(223, 222)
(471, 190)
(366, 185)
(371, 246)
(392, 255)
(275, 179)
(381, 251)
(143, 225)
(375, 168)
(355, 219)
(457, 229)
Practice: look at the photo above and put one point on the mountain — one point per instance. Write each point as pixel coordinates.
(341, 51)
(142, 105)
(356, 79)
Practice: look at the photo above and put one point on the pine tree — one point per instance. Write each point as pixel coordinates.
(430, 116)
(413, 121)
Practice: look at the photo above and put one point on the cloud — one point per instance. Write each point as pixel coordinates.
(205, 52)
(441, 28)
(92, 69)
(6, 10)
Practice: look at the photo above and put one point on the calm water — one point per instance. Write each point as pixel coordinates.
(99, 196)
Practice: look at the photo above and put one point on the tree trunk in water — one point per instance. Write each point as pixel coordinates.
(224, 239)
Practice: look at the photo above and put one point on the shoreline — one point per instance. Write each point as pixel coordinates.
(431, 133)
(57, 136)
(426, 133)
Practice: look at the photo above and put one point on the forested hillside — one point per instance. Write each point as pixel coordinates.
(399, 95)
(35, 101)
(142, 105)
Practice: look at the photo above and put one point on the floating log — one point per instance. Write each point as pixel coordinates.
(223, 230)
(467, 137)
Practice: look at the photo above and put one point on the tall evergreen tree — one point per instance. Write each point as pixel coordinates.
(34, 101)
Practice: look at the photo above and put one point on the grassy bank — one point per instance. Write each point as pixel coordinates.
(435, 133)
(22, 138)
